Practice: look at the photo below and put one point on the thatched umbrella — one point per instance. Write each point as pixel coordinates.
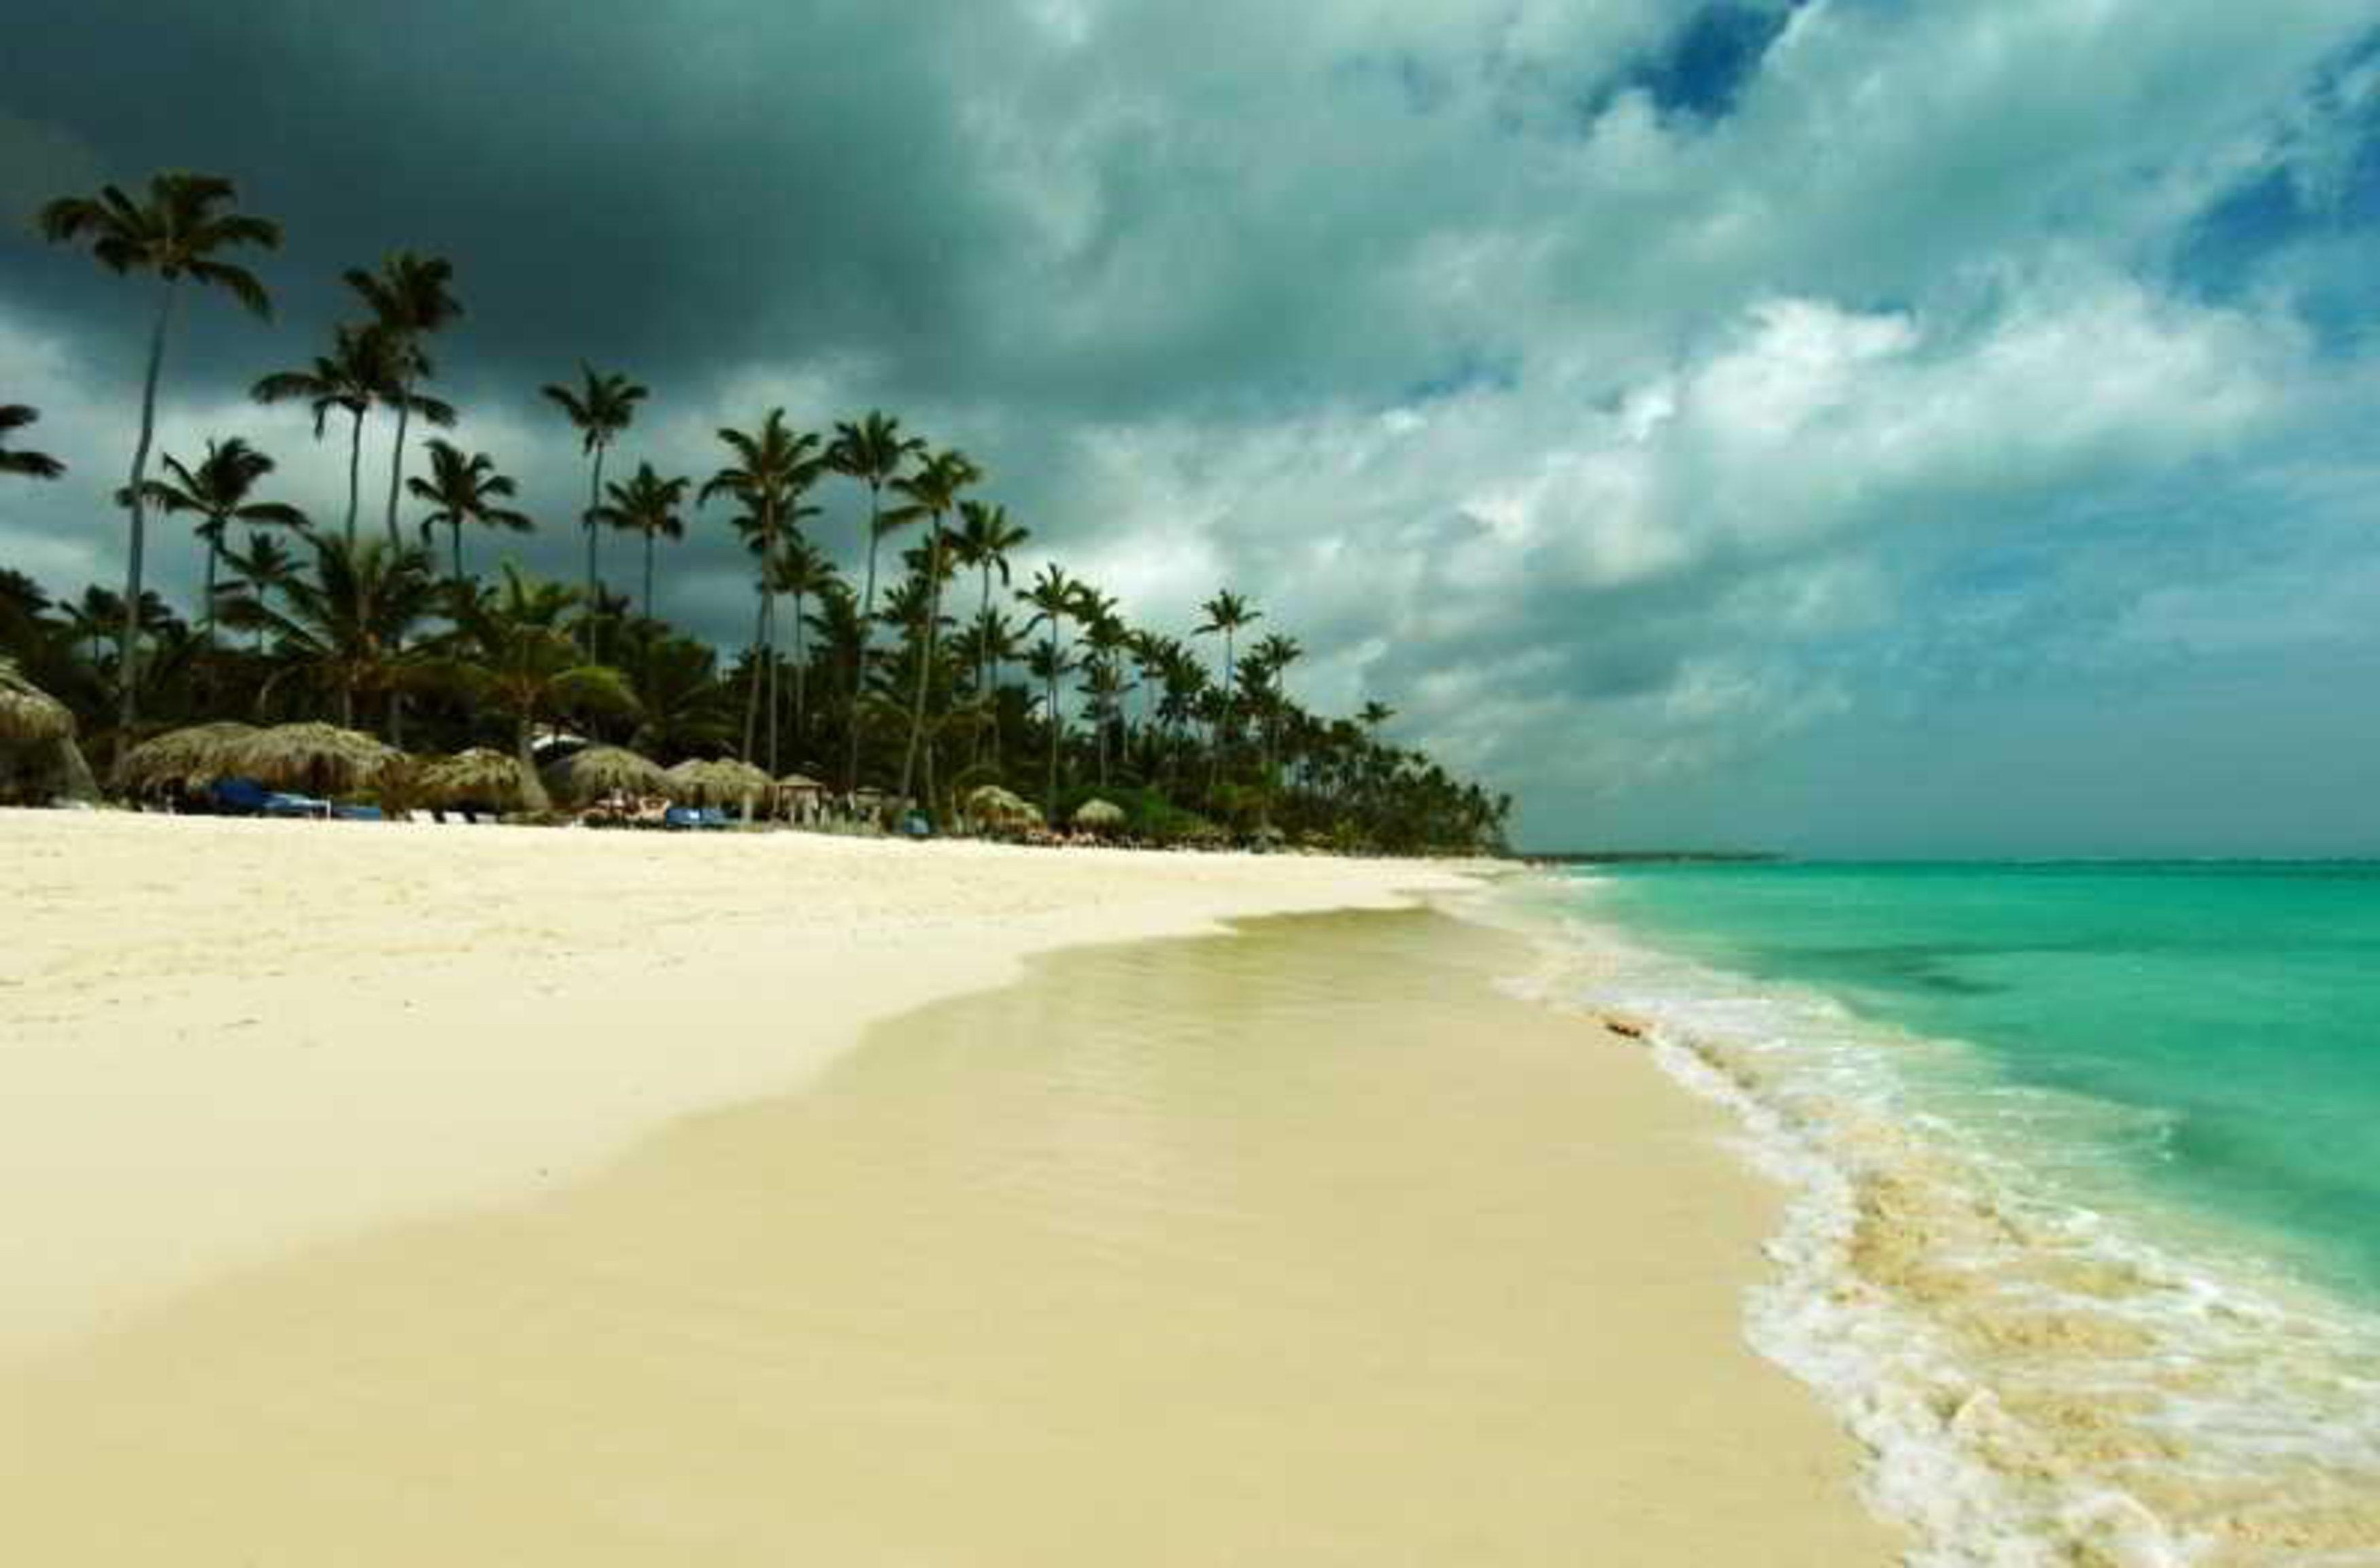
(588, 775)
(187, 759)
(480, 776)
(720, 783)
(319, 759)
(1100, 816)
(30, 716)
(39, 760)
(992, 807)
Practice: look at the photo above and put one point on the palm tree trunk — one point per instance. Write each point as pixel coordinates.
(355, 472)
(1223, 721)
(214, 558)
(983, 668)
(1050, 799)
(769, 618)
(127, 656)
(924, 664)
(752, 683)
(801, 679)
(594, 499)
(867, 636)
(457, 529)
(397, 456)
(649, 574)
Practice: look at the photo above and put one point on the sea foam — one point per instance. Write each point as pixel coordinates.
(2044, 1370)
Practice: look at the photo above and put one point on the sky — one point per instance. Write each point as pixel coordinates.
(1851, 427)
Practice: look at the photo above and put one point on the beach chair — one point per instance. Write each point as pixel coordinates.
(238, 798)
(358, 814)
(302, 807)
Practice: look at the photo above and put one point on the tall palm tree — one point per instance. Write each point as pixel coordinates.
(1229, 614)
(218, 491)
(1266, 662)
(982, 544)
(931, 492)
(773, 466)
(359, 370)
(178, 232)
(33, 464)
(646, 504)
(264, 567)
(601, 407)
(1054, 596)
(873, 451)
(511, 658)
(803, 570)
(465, 488)
(1049, 661)
(346, 624)
(411, 300)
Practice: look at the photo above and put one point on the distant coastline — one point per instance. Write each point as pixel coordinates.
(1653, 857)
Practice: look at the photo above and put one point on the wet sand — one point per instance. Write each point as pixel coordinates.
(222, 1039)
(1300, 1246)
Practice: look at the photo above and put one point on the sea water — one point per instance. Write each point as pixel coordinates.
(2086, 1236)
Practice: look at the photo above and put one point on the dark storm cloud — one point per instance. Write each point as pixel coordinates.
(1626, 391)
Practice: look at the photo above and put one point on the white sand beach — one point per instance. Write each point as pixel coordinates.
(392, 1195)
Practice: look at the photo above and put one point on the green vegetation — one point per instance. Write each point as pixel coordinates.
(1047, 690)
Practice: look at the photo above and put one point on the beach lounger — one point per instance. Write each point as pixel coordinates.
(239, 797)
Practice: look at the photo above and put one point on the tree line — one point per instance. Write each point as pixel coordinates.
(923, 676)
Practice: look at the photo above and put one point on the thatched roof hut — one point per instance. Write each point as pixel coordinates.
(481, 776)
(30, 716)
(990, 806)
(585, 776)
(319, 759)
(719, 783)
(1100, 816)
(187, 759)
(39, 760)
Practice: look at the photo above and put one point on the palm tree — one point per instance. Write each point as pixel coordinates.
(803, 570)
(1049, 663)
(1054, 596)
(982, 544)
(1229, 614)
(512, 659)
(176, 233)
(92, 620)
(465, 488)
(33, 464)
(1374, 714)
(359, 370)
(346, 624)
(872, 451)
(267, 565)
(218, 491)
(647, 505)
(773, 467)
(931, 492)
(409, 300)
(602, 407)
(1266, 662)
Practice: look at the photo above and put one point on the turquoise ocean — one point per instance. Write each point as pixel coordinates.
(2085, 1157)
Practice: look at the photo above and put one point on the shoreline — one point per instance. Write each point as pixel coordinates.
(2033, 1347)
(1303, 1238)
(229, 1039)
